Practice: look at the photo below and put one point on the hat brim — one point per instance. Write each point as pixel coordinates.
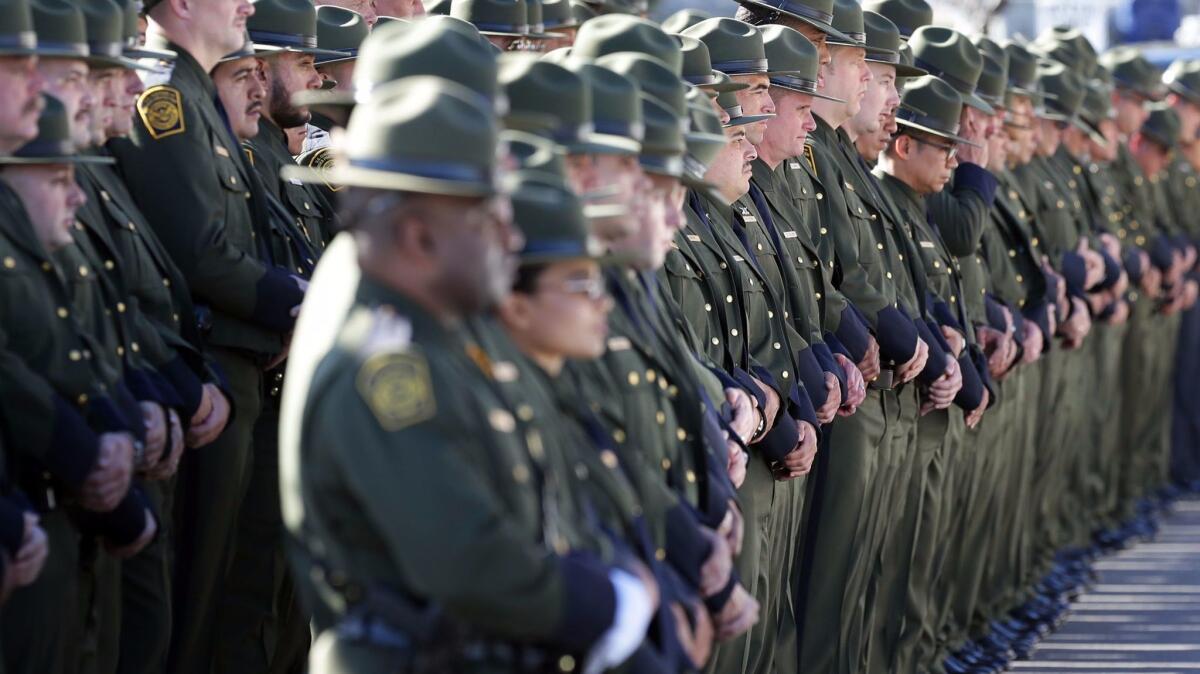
(544, 36)
(262, 49)
(349, 176)
(63, 159)
(313, 98)
(746, 119)
(725, 86)
(144, 53)
(828, 29)
(603, 143)
(814, 94)
(978, 103)
(343, 59)
(937, 132)
(118, 62)
(1092, 131)
(500, 33)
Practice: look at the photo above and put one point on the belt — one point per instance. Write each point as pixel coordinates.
(886, 380)
(514, 657)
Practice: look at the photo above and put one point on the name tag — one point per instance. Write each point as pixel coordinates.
(793, 164)
(619, 344)
(220, 149)
(749, 218)
(790, 234)
(296, 181)
(927, 244)
(738, 258)
(694, 238)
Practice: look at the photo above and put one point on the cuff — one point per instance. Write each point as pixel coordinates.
(687, 548)
(935, 366)
(12, 526)
(74, 446)
(810, 373)
(977, 179)
(189, 390)
(852, 332)
(277, 294)
(589, 602)
(897, 336)
(970, 396)
(829, 364)
(995, 313)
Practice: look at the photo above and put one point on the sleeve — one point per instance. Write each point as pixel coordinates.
(40, 423)
(12, 526)
(484, 569)
(961, 212)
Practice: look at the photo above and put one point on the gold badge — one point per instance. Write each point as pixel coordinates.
(397, 388)
(322, 161)
(161, 110)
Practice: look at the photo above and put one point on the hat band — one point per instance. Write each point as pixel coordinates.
(571, 134)
(41, 148)
(741, 66)
(283, 39)
(667, 163)
(80, 48)
(501, 27)
(800, 10)
(860, 38)
(929, 121)
(610, 127)
(701, 80)
(346, 52)
(541, 248)
(883, 55)
(463, 173)
(1186, 92)
(26, 39)
(962, 85)
(803, 85)
(694, 167)
(110, 49)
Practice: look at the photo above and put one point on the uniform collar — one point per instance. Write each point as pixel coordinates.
(372, 293)
(912, 201)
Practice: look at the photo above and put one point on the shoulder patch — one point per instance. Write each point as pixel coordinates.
(161, 110)
(397, 388)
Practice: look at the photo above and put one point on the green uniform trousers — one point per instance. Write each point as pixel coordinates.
(209, 491)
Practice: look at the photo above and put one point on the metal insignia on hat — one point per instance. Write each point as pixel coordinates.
(161, 110)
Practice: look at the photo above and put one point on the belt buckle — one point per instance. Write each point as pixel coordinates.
(884, 382)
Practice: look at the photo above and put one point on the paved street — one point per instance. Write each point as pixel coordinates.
(1144, 614)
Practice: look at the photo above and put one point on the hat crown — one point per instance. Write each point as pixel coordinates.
(59, 23)
(907, 15)
(735, 47)
(16, 21)
(340, 29)
(933, 103)
(787, 50)
(1130, 69)
(410, 122)
(1064, 86)
(53, 138)
(651, 77)
(848, 18)
(1183, 77)
(556, 13)
(948, 54)
(684, 19)
(616, 108)
(993, 79)
(104, 22)
(1022, 66)
(697, 64)
(437, 45)
(283, 18)
(882, 33)
(1097, 102)
(1162, 125)
(550, 216)
(508, 16)
(615, 33)
(543, 88)
(664, 135)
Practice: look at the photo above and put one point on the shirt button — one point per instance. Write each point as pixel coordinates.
(83, 270)
(62, 312)
(9, 263)
(733, 332)
(889, 274)
(109, 265)
(879, 246)
(82, 399)
(74, 355)
(937, 265)
(824, 231)
(715, 341)
(121, 308)
(634, 379)
(724, 266)
(46, 266)
(1020, 279)
(729, 299)
(707, 307)
(785, 374)
(820, 195)
(777, 346)
(818, 296)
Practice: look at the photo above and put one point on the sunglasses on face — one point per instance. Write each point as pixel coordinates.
(950, 150)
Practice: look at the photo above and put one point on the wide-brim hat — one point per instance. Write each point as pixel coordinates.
(949, 55)
(396, 140)
(906, 15)
(53, 144)
(1162, 126)
(554, 222)
(815, 13)
(1183, 78)
(279, 26)
(734, 47)
(795, 60)
(848, 20)
(340, 30)
(932, 105)
(884, 42)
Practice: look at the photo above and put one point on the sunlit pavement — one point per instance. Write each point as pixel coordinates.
(1144, 613)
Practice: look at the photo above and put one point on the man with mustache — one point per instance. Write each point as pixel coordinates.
(211, 217)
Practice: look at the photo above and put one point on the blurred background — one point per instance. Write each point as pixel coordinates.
(1165, 29)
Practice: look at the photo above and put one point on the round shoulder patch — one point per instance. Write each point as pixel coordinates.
(397, 388)
(320, 159)
(161, 110)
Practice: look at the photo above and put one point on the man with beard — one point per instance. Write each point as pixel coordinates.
(213, 218)
(407, 536)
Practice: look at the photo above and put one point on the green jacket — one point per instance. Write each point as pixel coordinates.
(189, 176)
(408, 475)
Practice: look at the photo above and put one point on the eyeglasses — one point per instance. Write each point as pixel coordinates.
(591, 288)
(950, 150)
